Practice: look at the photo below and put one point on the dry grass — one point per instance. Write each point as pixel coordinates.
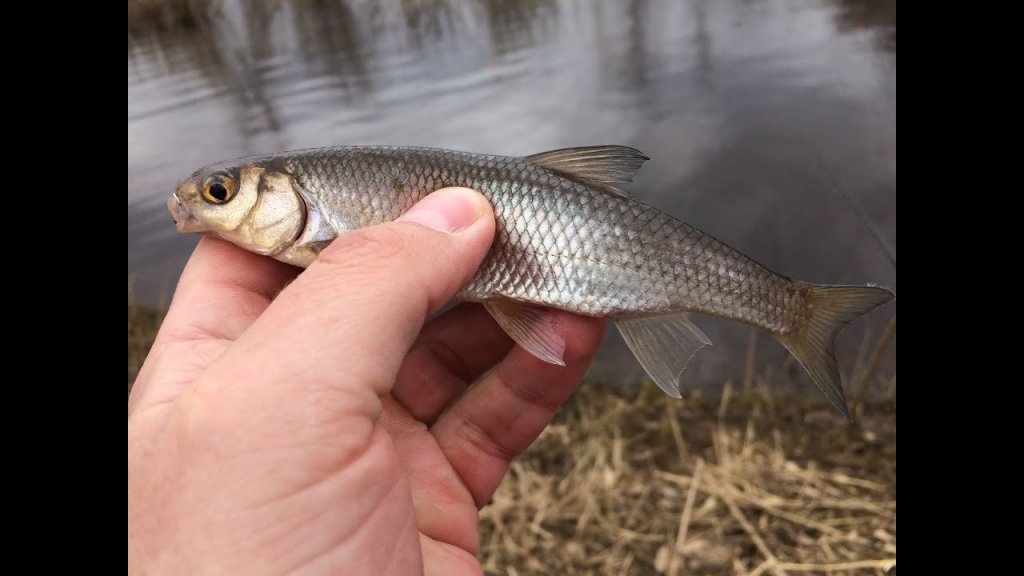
(143, 323)
(652, 485)
(754, 483)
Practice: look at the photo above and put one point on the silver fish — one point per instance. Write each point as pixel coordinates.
(568, 237)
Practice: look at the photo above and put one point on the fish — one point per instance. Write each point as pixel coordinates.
(568, 236)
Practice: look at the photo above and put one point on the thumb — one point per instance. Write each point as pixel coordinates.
(349, 320)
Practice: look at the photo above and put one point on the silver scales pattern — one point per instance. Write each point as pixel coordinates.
(559, 243)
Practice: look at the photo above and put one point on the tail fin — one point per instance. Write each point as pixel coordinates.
(830, 309)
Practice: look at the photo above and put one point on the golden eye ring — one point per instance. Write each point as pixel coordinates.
(219, 190)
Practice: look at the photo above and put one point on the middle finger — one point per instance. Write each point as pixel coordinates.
(451, 352)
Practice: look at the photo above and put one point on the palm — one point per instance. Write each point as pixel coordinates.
(445, 512)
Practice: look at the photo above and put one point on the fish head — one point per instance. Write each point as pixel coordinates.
(257, 208)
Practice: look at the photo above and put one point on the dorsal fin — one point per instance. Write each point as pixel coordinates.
(605, 168)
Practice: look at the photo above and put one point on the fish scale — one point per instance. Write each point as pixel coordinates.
(620, 246)
(566, 237)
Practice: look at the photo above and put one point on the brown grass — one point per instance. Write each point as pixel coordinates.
(143, 323)
(652, 485)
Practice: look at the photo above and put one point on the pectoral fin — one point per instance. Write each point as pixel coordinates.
(317, 233)
(663, 345)
(531, 328)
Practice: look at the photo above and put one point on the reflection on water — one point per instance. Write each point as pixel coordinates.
(758, 116)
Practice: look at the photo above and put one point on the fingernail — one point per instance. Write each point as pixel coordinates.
(447, 210)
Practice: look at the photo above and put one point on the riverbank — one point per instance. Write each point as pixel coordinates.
(749, 484)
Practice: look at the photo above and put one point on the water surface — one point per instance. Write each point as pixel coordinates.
(771, 124)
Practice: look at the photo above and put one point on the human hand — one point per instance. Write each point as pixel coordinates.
(328, 428)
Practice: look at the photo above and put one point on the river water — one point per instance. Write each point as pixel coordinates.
(770, 124)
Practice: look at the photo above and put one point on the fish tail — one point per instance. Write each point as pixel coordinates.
(828, 310)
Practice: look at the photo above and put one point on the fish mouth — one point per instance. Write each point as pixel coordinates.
(184, 220)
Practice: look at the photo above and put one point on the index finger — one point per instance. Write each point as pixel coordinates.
(223, 290)
(221, 293)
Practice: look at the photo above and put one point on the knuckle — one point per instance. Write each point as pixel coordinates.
(364, 262)
(484, 441)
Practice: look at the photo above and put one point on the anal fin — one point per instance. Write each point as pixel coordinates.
(663, 345)
(531, 328)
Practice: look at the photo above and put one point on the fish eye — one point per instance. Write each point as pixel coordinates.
(219, 190)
